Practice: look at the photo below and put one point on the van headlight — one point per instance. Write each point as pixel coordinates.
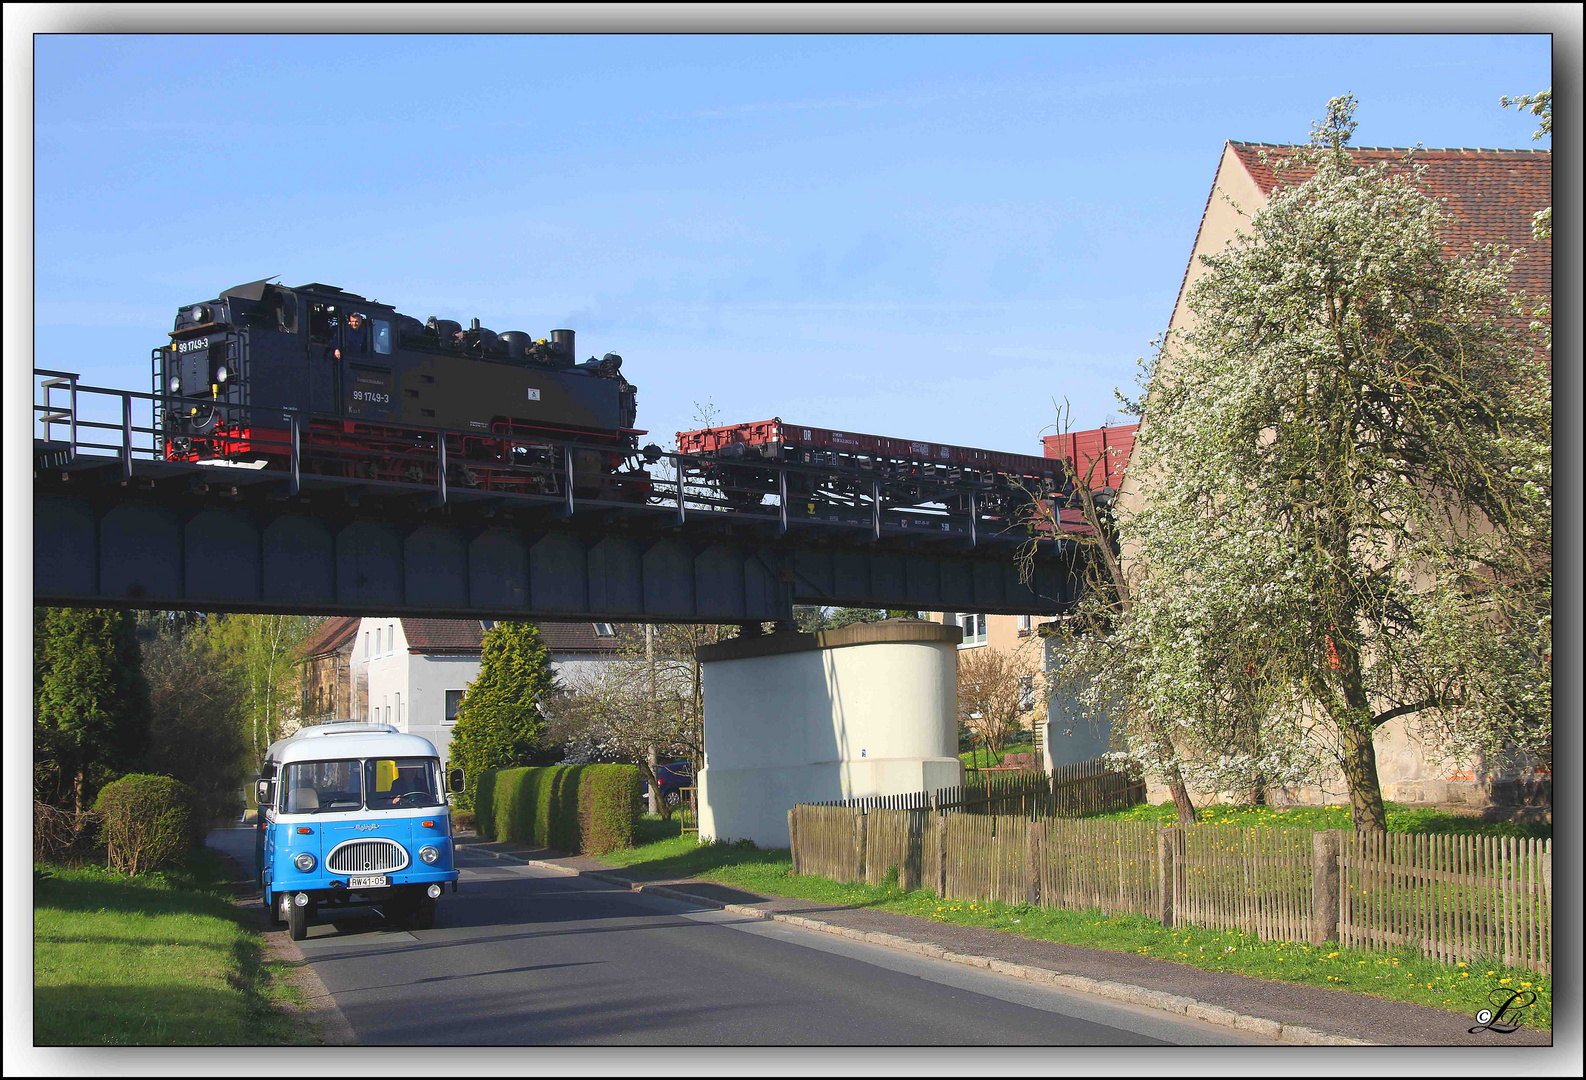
(304, 861)
(429, 854)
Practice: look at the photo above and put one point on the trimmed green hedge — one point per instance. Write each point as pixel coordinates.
(147, 822)
(586, 809)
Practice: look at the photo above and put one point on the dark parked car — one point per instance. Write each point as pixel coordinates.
(673, 776)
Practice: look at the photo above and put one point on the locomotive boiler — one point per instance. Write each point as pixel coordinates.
(372, 393)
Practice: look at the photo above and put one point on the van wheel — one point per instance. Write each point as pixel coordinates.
(398, 908)
(277, 908)
(424, 914)
(297, 919)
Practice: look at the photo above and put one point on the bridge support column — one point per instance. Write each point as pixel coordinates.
(870, 709)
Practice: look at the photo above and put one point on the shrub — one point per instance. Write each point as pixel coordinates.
(147, 822)
(61, 837)
(608, 802)
(499, 723)
(587, 809)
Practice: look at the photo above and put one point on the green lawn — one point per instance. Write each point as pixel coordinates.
(1398, 976)
(156, 960)
(1401, 818)
(981, 759)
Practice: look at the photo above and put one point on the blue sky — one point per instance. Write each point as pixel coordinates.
(921, 236)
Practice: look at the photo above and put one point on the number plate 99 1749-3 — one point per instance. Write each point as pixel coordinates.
(379, 881)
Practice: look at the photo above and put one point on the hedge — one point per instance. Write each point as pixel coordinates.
(586, 809)
(147, 822)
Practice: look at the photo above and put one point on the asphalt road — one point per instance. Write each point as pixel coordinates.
(526, 956)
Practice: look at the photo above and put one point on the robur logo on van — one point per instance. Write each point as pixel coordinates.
(365, 828)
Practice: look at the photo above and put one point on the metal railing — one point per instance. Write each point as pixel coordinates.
(686, 488)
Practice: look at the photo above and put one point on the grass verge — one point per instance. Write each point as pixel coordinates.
(1401, 818)
(1397, 976)
(161, 959)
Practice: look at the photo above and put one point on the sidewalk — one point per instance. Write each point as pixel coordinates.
(1294, 1013)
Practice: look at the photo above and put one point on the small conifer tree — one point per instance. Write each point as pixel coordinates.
(499, 723)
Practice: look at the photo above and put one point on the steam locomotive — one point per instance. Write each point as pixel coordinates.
(363, 391)
(372, 389)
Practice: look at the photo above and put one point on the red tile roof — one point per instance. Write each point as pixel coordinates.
(1490, 194)
(465, 637)
(443, 635)
(329, 636)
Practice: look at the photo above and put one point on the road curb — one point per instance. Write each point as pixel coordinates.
(1293, 1034)
(319, 1008)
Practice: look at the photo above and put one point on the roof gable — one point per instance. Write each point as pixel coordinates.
(330, 636)
(1491, 195)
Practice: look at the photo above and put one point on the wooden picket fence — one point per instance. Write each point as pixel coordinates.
(1451, 897)
(1086, 787)
(1259, 881)
(1095, 786)
(1470, 898)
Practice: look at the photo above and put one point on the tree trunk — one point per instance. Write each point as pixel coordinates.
(1175, 782)
(1360, 770)
(77, 793)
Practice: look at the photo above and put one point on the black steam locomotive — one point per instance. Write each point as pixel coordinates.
(368, 392)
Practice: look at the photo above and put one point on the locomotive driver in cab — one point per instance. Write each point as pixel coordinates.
(357, 335)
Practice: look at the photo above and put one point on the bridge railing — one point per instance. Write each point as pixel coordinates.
(85, 425)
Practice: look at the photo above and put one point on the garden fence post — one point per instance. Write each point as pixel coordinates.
(941, 852)
(1166, 853)
(909, 871)
(861, 831)
(1032, 863)
(1324, 887)
(793, 836)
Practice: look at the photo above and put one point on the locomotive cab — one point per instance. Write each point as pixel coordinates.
(366, 389)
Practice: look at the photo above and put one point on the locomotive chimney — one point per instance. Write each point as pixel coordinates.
(562, 346)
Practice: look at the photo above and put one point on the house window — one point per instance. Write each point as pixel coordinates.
(378, 647)
(398, 700)
(366, 646)
(390, 637)
(974, 627)
(487, 624)
(454, 700)
(604, 629)
(1026, 624)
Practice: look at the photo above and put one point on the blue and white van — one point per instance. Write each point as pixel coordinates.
(354, 813)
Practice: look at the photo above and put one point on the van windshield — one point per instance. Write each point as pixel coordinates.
(401, 782)
(314, 787)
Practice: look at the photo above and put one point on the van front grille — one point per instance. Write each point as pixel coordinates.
(374, 856)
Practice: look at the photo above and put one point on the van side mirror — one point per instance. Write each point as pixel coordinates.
(264, 793)
(456, 781)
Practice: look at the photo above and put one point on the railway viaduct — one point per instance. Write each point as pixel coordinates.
(113, 525)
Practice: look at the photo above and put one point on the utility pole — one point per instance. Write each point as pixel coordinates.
(649, 711)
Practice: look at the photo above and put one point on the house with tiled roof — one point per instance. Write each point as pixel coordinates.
(329, 690)
(413, 673)
(1491, 196)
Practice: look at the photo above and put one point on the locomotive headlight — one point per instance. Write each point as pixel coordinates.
(429, 854)
(176, 384)
(198, 314)
(221, 374)
(304, 862)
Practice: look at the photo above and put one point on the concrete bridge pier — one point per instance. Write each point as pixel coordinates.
(871, 709)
